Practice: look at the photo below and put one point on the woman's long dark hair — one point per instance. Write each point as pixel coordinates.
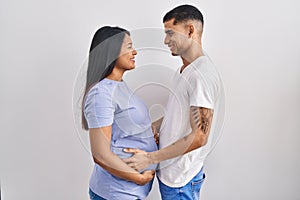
(105, 49)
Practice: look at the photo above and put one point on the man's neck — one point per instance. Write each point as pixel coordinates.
(194, 52)
(188, 59)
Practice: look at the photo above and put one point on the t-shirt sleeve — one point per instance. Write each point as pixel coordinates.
(98, 107)
(200, 92)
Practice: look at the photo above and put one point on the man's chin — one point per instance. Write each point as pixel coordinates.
(175, 54)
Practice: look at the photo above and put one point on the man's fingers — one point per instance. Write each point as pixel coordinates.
(128, 160)
(132, 165)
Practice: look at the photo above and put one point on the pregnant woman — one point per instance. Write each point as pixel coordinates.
(116, 119)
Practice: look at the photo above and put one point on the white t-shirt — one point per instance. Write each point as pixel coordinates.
(198, 85)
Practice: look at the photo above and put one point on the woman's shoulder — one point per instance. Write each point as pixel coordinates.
(103, 86)
(102, 91)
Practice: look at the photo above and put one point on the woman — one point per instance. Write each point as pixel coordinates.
(115, 118)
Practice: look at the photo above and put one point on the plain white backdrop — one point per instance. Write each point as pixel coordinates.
(255, 45)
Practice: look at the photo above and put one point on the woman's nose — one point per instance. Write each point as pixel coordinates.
(134, 52)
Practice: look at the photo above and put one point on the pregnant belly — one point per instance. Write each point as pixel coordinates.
(146, 144)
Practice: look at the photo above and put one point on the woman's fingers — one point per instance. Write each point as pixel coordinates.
(132, 150)
(149, 172)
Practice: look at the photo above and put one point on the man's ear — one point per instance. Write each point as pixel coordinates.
(191, 28)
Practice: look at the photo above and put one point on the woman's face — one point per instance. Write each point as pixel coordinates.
(125, 60)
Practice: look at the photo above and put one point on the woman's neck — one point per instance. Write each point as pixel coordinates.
(116, 75)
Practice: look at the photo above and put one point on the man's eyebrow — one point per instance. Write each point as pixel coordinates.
(169, 31)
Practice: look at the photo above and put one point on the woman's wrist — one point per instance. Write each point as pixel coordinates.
(140, 179)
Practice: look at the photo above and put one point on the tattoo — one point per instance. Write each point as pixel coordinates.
(202, 118)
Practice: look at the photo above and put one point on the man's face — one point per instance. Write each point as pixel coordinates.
(176, 37)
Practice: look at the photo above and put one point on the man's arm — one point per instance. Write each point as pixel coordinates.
(200, 119)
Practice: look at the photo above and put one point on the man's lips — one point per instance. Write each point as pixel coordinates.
(171, 47)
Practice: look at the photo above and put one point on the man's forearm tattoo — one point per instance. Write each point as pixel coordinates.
(202, 118)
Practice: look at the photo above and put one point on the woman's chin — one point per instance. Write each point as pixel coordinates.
(132, 67)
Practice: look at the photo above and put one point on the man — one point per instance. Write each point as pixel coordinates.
(186, 126)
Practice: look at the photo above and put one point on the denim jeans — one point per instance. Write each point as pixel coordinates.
(190, 191)
(94, 196)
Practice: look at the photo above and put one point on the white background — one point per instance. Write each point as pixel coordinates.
(255, 45)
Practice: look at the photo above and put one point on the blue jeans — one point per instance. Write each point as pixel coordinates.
(190, 191)
(94, 196)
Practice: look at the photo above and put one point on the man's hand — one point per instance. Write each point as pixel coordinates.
(140, 159)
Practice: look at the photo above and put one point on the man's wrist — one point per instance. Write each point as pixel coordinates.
(152, 157)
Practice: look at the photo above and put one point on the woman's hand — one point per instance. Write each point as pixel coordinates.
(146, 176)
(155, 134)
(139, 161)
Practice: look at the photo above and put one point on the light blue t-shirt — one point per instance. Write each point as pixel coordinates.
(111, 102)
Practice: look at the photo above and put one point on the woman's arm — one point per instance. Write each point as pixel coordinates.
(155, 129)
(100, 139)
(157, 124)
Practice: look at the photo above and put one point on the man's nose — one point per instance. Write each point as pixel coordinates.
(166, 40)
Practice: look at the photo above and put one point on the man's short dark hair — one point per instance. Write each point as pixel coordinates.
(183, 13)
